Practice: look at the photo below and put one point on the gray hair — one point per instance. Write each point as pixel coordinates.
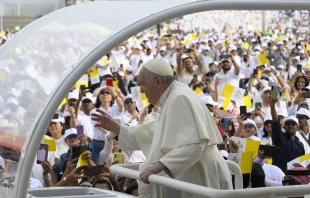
(166, 79)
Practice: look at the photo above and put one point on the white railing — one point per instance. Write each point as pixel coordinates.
(131, 171)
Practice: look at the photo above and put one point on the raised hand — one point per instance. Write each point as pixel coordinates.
(105, 121)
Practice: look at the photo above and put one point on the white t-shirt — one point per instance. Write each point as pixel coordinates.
(134, 61)
(113, 112)
(61, 148)
(118, 57)
(165, 58)
(301, 136)
(230, 77)
(85, 120)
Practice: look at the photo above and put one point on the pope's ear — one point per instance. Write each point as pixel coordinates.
(159, 81)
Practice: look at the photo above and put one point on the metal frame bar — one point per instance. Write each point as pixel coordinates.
(98, 52)
(131, 171)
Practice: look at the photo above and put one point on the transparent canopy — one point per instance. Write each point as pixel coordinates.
(45, 59)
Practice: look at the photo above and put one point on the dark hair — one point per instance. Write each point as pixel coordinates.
(233, 129)
(296, 81)
(98, 103)
(62, 132)
(131, 188)
(121, 84)
(103, 181)
(85, 180)
(258, 176)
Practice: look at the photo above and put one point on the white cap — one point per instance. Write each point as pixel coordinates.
(281, 112)
(204, 48)
(296, 58)
(106, 72)
(268, 118)
(282, 67)
(266, 89)
(73, 94)
(159, 67)
(2, 162)
(137, 46)
(301, 51)
(131, 68)
(264, 45)
(90, 97)
(163, 48)
(250, 34)
(128, 96)
(208, 100)
(216, 63)
(257, 48)
(211, 39)
(303, 111)
(250, 122)
(121, 73)
(233, 48)
(292, 118)
(249, 110)
(184, 56)
(279, 43)
(68, 132)
(102, 87)
(59, 119)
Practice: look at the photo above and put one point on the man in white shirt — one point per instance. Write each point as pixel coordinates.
(303, 134)
(131, 115)
(118, 55)
(136, 57)
(228, 75)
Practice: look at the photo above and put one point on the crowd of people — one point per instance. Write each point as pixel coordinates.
(271, 68)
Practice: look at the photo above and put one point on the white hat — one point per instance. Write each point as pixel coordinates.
(102, 87)
(137, 46)
(303, 111)
(12, 100)
(208, 100)
(90, 97)
(203, 48)
(233, 48)
(296, 58)
(106, 72)
(59, 119)
(250, 122)
(163, 48)
(257, 48)
(282, 67)
(264, 45)
(131, 68)
(211, 39)
(73, 94)
(69, 132)
(216, 63)
(128, 96)
(268, 118)
(292, 118)
(184, 56)
(279, 43)
(266, 89)
(159, 67)
(2, 162)
(250, 34)
(281, 112)
(301, 51)
(121, 73)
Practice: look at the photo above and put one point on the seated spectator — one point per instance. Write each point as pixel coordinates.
(247, 129)
(103, 184)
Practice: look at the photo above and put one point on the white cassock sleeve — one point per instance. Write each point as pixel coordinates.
(138, 137)
(127, 140)
(182, 158)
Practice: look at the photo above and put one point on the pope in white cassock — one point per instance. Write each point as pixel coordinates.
(181, 144)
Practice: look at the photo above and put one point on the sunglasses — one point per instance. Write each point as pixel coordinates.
(104, 92)
(267, 122)
(128, 101)
(301, 117)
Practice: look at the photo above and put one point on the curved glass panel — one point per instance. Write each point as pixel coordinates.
(38, 59)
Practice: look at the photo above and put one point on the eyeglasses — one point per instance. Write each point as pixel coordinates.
(104, 92)
(128, 101)
(268, 122)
